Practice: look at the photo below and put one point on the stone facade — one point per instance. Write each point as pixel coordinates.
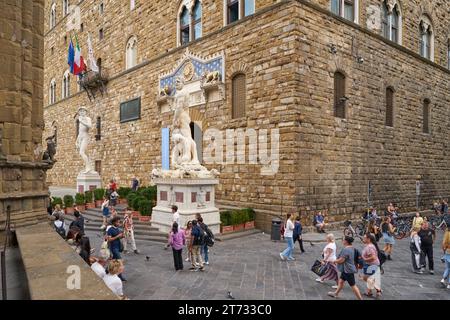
(284, 50)
(22, 173)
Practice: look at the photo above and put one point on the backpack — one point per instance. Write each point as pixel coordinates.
(207, 237)
(359, 262)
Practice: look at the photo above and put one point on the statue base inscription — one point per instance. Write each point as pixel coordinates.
(88, 181)
(191, 196)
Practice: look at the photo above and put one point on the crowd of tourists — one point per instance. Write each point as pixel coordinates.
(351, 264)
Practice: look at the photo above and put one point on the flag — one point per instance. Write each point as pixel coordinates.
(92, 64)
(79, 65)
(71, 56)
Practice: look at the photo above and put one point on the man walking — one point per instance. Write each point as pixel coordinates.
(204, 248)
(427, 237)
(129, 233)
(196, 240)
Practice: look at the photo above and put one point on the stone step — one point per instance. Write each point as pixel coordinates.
(235, 235)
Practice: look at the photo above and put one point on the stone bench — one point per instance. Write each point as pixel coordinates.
(47, 258)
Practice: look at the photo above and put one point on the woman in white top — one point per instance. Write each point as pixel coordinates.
(112, 279)
(329, 257)
(288, 235)
(98, 266)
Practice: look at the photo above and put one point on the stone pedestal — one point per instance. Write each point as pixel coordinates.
(191, 196)
(88, 181)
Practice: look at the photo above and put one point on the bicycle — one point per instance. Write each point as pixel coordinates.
(438, 223)
(402, 228)
(358, 231)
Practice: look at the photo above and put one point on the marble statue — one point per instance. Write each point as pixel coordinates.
(85, 123)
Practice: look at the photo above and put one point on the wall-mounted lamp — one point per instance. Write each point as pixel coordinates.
(333, 49)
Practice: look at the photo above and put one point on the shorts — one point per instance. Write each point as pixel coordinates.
(388, 239)
(106, 212)
(349, 277)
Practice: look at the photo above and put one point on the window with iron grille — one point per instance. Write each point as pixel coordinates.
(426, 116)
(389, 107)
(130, 110)
(238, 96)
(339, 95)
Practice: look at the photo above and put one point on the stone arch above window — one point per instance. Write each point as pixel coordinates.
(426, 33)
(348, 9)
(189, 21)
(53, 16)
(131, 52)
(391, 20)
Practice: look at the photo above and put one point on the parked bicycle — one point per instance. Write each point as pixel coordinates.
(438, 222)
(358, 231)
(402, 228)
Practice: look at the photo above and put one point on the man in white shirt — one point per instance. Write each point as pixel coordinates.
(176, 216)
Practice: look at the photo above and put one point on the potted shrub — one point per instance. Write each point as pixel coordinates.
(250, 221)
(68, 204)
(89, 199)
(237, 219)
(98, 197)
(123, 193)
(145, 209)
(225, 222)
(57, 200)
(80, 201)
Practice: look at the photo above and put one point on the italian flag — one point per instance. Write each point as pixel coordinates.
(79, 65)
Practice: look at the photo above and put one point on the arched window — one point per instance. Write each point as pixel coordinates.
(391, 19)
(426, 116)
(389, 107)
(185, 24)
(65, 5)
(339, 95)
(66, 85)
(52, 92)
(53, 16)
(426, 38)
(239, 95)
(348, 9)
(197, 20)
(237, 9)
(131, 52)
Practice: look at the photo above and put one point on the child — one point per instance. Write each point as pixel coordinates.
(298, 233)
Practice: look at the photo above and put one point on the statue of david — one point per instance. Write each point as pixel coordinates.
(85, 123)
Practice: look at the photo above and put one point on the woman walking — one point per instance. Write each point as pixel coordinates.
(105, 211)
(288, 235)
(177, 241)
(187, 235)
(374, 229)
(371, 268)
(329, 258)
(446, 257)
(416, 252)
(388, 234)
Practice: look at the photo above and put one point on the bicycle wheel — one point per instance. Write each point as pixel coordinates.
(348, 232)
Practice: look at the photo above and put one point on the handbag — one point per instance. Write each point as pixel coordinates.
(318, 268)
(105, 253)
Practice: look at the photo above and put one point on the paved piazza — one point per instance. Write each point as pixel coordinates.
(251, 268)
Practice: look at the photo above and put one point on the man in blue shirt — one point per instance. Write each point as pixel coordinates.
(319, 222)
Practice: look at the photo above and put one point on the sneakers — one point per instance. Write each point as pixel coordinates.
(282, 257)
(207, 263)
(319, 280)
(187, 260)
(136, 251)
(448, 286)
(418, 271)
(443, 282)
(334, 287)
(431, 271)
(332, 294)
(291, 259)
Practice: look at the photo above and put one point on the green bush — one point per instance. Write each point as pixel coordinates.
(130, 197)
(123, 192)
(235, 217)
(57, 200)
(148, 192)
(79, 199)
(99, 193)
(88, 196)
(135, 202)
(225, 218)
(250, 214)
(145, 207)
(68, 201)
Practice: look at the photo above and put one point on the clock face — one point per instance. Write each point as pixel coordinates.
(188, 71)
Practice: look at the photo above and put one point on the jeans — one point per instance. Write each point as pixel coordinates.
(204, 251)
(178, 259)
(428, 252)
(447, 268)
(288, 251)
(116, 253)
